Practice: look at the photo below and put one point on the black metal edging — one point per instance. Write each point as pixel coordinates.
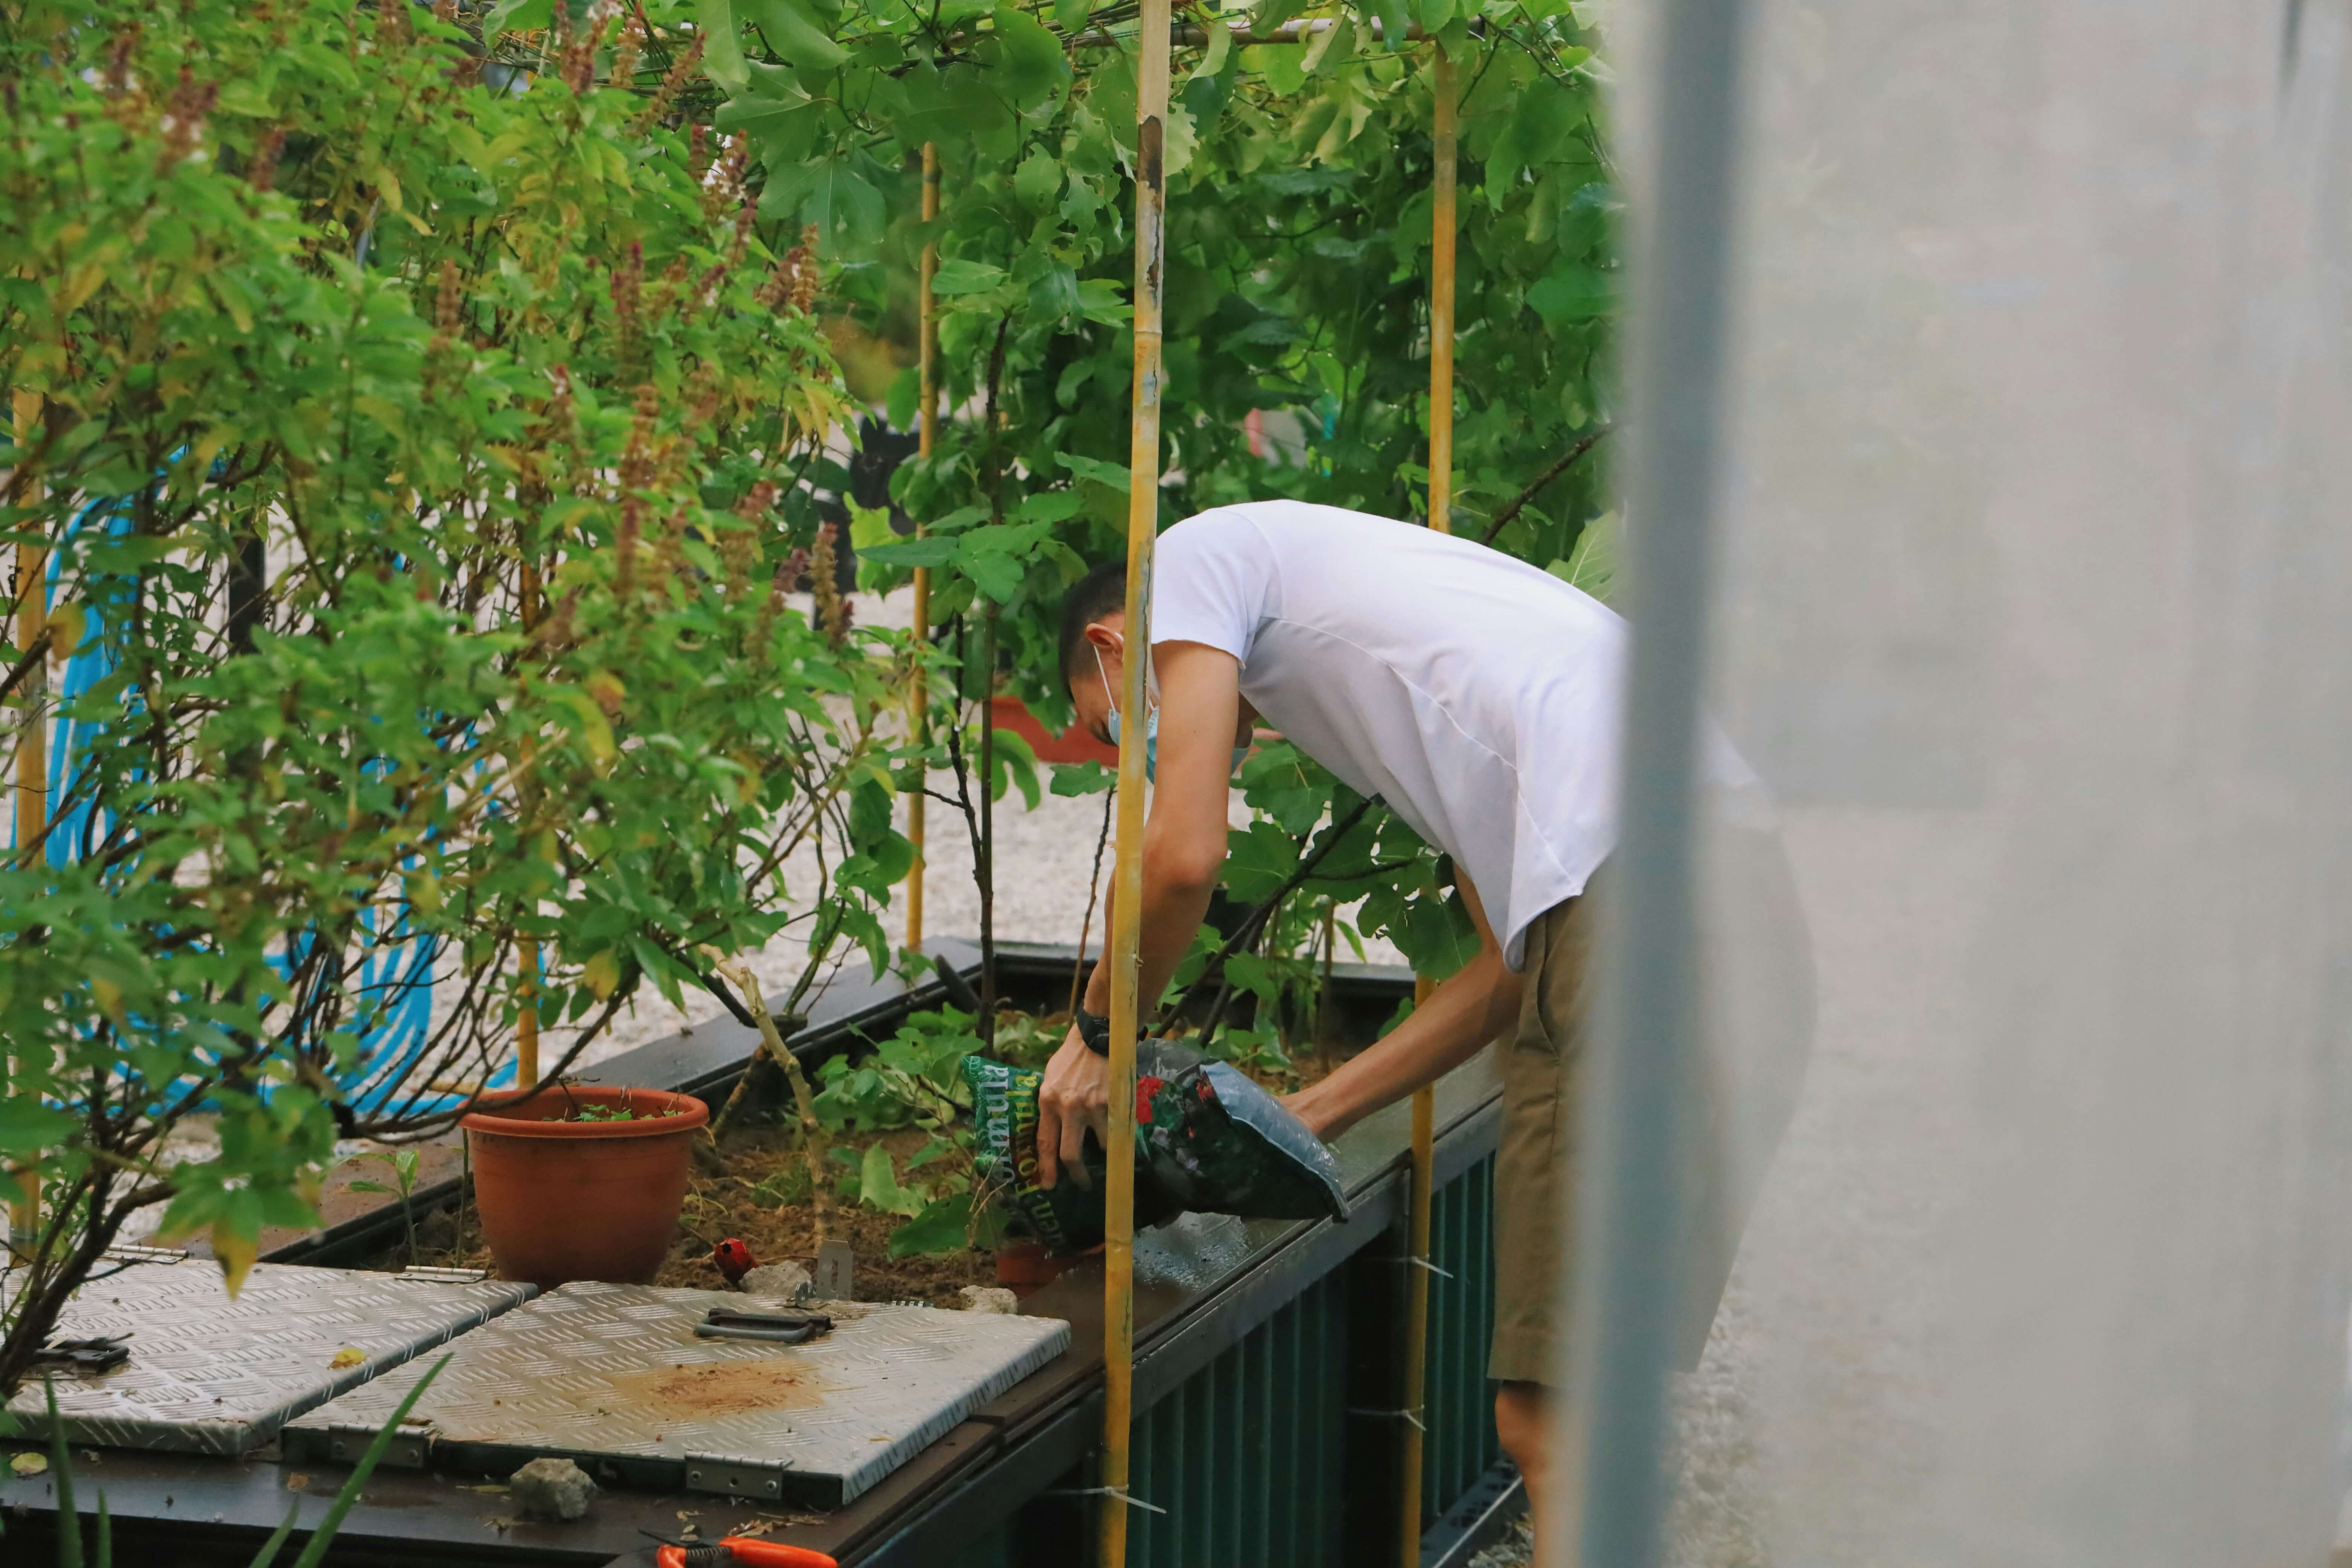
(1477, 1519)
(1029, 1464)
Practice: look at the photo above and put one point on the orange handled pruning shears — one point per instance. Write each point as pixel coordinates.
(749, 1551)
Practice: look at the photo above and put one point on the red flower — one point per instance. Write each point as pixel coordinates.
(734, 1259)
(1145, 1088)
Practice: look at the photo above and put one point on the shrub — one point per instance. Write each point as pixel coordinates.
(401, 459)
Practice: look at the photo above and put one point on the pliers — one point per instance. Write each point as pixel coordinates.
(738, 1552)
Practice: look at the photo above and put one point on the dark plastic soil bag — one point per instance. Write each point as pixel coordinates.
(1206, 1139)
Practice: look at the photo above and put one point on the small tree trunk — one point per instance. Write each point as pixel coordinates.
(815, 1145)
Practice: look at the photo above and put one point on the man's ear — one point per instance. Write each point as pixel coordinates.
(1105, 640)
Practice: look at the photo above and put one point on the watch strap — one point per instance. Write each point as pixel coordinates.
(1095, 1030)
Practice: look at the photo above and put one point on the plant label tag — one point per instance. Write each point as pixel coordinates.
(834, 1263)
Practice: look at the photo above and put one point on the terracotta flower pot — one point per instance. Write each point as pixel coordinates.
(581, 1200)
(1026, 1265)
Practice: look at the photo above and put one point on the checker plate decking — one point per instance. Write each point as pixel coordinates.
(613, 1377)
(212, 1375)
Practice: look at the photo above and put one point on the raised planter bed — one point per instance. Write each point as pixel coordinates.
(1308, 1312)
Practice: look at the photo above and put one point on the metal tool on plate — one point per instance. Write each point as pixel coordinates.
(85, 1358)
(783, 1328)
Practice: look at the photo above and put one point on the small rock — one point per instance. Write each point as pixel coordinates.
(780, 1280)
(551, 1489)
(989, 1299)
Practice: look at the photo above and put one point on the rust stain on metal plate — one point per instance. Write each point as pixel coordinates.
(721, 1388)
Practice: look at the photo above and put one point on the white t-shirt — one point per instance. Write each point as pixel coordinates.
(1479, 697)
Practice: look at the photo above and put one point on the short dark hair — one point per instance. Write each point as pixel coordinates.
(1099, 592)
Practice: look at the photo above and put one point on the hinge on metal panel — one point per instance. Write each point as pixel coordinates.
(347, 1440)
(733, 1477)
(430, 1276)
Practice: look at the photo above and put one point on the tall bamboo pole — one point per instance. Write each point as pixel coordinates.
(32, 741)
(527, 951)
(926, 416)
(1441, 496)
(1127, 902)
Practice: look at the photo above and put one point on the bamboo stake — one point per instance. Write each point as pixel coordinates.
(33, 742)
(1441, 498)
(1126, 897)
(927, 414)
(526, 951)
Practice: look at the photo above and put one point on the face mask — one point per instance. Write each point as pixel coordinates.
(1150, 728)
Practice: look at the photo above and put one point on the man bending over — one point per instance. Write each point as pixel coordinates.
(1481, 699)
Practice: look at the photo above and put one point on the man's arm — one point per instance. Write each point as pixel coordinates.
(1476, 1004)
(1183, 854)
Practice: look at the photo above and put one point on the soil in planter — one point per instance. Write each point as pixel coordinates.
(733, 1204)
(721, 1206)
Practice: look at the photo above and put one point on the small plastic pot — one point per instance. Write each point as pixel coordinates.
(564, 1200)
(1026, 1265)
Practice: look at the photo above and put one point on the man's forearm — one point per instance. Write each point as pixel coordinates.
(1171, 913)
(1444, 1032)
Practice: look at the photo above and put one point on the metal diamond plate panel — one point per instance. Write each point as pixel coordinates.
(614, 1376)
(210, 1375)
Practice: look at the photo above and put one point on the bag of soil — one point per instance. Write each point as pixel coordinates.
(1207, 1140)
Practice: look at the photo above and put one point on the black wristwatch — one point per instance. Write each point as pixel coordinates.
(1095, 1030)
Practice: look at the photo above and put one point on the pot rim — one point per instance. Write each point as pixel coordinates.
(688, 1114)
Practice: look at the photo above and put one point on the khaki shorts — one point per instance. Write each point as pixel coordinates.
(1745, 1092)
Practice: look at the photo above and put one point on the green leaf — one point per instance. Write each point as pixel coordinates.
(1072, 779)
(1591, 566)
(958, 276)
(793, 33)
(1574, 292)
(830, 194)
(1031, 68)
(1335, 44)
(1258, 859)
(243, 96)
(1542, 128)
(323, 1537)
(878, 1188)
(1219, 50)
(519, 16)
(1250, 972)
(987, 558)
(1285, 67)
(1051, 506)
(869, 528)
(269, 1550)
(932, 551)
(722, 47)
(28, 1127)
(906, 391)
(61, 1476)
(1396, 22)
(1437, 936)
(941, 1226)
(1038, 180)
(1114, 475)
(782, 125)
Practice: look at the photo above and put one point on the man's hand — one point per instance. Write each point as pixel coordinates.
(1075, 1096)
